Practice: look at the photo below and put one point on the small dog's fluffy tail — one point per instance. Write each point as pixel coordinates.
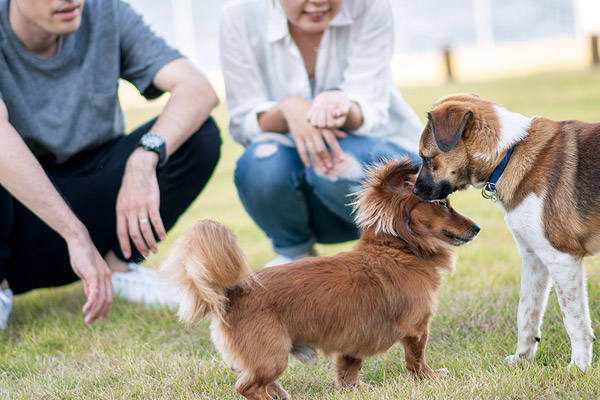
(201, 264)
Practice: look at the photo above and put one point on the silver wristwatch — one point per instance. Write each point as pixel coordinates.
(155, 143)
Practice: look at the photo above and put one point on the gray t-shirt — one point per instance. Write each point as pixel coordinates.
(69, 102)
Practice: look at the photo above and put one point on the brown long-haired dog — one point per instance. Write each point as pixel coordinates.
(352, 305)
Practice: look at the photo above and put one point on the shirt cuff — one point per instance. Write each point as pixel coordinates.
(368, 116)
(250, 126)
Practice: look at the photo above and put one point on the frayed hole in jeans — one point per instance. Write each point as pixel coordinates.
(350, 168)
(265, 150)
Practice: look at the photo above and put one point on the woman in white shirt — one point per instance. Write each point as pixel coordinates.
(311, 96)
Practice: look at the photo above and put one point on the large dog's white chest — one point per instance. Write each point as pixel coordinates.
(525, 223)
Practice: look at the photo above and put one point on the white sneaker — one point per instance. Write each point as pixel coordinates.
(143, 285)
(6, 302)
(279, 260)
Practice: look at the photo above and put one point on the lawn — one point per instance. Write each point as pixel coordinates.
(48, 352)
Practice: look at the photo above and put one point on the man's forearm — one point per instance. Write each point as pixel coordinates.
(24, 178)
(192, 99)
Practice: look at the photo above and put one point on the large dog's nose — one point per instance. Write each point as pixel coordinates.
(476, 228)
(422, 190)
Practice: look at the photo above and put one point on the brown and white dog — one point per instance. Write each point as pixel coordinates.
(549, 189)
(352, 305)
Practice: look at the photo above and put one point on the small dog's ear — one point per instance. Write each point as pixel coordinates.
(402, 179)
(418, 238)
(447, 125)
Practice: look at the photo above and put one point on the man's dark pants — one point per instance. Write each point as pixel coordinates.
(32, 255)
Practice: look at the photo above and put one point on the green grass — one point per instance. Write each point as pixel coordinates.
(48, 352)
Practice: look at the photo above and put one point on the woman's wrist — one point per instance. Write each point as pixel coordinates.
(292, 105)
(354, 119)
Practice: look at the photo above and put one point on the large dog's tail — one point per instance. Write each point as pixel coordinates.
(201, 264)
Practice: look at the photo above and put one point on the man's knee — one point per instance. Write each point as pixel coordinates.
(190, 167)
(205, 143)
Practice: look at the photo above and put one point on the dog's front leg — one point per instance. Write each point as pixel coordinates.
(568, 276)
(535, 288)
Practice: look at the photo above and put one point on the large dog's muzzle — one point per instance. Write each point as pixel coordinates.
(426, 188)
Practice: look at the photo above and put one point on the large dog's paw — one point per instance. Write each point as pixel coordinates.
(520, 357)
(514, 359)
(581, 366)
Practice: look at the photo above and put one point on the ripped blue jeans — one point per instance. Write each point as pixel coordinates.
(297, 206)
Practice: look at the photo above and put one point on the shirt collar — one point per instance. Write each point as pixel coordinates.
(277, 28)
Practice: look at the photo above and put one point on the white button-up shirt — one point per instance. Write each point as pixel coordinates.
(262, 66)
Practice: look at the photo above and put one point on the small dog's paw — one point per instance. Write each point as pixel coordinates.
(428, 373)
(276, 391)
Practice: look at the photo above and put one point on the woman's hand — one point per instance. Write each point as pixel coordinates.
(329, 110)
(311, 141)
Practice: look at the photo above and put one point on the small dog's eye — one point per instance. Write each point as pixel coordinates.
(445, 204)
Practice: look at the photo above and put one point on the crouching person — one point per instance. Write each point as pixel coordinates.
(79, 198)
(310, 95)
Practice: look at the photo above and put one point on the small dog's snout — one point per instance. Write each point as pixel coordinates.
(476, 228)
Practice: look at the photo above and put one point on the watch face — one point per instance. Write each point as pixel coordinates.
(152, 142)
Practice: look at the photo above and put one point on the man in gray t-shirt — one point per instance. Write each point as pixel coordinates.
(79, 197)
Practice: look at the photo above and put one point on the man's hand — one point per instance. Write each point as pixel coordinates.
(95, 274)
(138, 205)
(310, 140)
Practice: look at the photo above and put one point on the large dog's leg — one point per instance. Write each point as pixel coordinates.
(535, 288)
(568, 276)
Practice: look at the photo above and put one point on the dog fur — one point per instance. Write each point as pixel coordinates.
(350, 306)
(549, 190)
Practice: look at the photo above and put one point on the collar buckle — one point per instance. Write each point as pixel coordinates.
(489, 192)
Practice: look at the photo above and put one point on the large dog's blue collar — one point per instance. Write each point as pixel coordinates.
(489, 190)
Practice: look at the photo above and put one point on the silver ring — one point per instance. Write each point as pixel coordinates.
(143, 221)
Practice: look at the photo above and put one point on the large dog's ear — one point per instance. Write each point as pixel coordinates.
(448, 124)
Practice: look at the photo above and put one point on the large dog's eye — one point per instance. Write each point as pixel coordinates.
(426, 162)
(445, 204)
